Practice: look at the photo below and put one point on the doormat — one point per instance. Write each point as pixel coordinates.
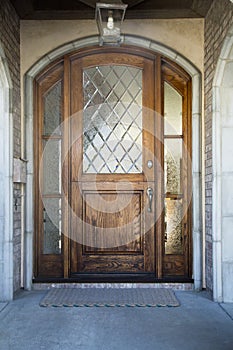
(109, 297)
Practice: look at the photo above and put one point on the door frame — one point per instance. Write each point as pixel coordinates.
(196, 149)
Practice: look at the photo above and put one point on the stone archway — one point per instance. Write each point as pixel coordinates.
(222, 211)
(6, 184)
(196, 152)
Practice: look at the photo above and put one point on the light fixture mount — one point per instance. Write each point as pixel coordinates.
(109, 17)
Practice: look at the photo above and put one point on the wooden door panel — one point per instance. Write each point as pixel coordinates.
(113, 221)
(113, 263)
(113, 231)
(174, 265)
(109, 229)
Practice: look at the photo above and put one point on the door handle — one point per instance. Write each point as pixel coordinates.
(149, 193)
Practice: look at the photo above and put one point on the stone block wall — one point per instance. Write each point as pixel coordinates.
(10, 43)
(217, 23)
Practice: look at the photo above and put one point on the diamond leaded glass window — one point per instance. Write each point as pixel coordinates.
(112, 119)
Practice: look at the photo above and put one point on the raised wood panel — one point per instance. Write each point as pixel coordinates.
(112, 264)
(51, 266)
(173, 265)
(113, 222)
(85, 248)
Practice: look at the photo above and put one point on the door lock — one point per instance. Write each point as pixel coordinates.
(149, 164)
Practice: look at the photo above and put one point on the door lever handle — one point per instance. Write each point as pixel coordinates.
(149, 193)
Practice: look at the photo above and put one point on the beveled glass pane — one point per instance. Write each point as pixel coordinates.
(112, 120)
(172, 165)
(172, 111)
(53, 110)
(52, 167)
(173, 226)
(52, 226)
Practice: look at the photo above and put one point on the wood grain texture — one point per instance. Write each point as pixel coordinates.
(96, 236)
(112, 263)
(45, 264)
(159, 173)
(113, 222)
(180, 265)
(173, 265)
(112, 205)
(66, 169)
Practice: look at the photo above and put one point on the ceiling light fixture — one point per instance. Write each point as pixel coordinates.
(109, 17)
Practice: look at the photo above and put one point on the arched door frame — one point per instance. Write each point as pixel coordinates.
(6, 182)
(196, 146)
(219, 294)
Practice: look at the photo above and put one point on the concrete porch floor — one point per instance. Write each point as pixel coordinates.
(198, 323)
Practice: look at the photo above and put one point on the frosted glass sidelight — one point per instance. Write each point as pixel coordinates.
(172, 111)
(52, 226)
(53, 110)
(172, 165)
(112, 120)
(52, 167)
(173, 226)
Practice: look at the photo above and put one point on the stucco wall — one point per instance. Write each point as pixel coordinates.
(186, 36)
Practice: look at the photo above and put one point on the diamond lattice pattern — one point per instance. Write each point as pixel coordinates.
(112, 119)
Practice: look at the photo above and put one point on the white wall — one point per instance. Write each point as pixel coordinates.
(6, 184)
(223, 174)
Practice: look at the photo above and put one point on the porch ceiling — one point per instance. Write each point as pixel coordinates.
(85, 9)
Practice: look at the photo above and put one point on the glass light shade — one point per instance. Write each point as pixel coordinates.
(109, 18)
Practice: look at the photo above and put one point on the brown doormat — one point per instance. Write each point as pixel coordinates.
(109, 297)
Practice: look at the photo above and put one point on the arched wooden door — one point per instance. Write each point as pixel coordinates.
(112, 106)
(112, 199)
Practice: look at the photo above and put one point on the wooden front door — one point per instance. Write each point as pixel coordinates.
(113, 189)
(112, 164)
